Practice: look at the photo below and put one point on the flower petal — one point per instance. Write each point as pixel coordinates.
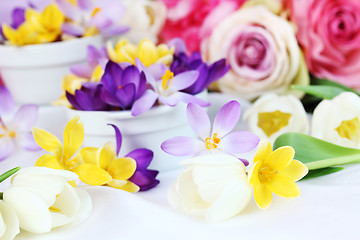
(128, 186)
(182, 146)
(144, 103)
(48, 142)
(142, 156)
(283, 186)
(262, 195)
(171, 100)
(226, 119)
(295, 171)
(107, 155)
(145, 179)
(49, 161)
(280, 158)
(7, 104)
(239, 142)
(188, 98)
(233, 199)
(73, 136)
(92, 174)
(263, 151)
(198, 120)
(122, 168)
(26, 117)
(88, 155)
(254, 173)
(73, 29)
(118, 137)
(184, 80)
(6, 147)
(126, 95)
(11, 222)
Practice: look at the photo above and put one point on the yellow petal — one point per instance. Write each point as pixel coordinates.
(10, 34)
(49, 161)
(262, 196)
(280, 158)
(128, 186)
(107, 155)
(73, 136)
(147, 52)
(92, 175)
(263, 151)
(122, 168)
(295, 171)
(89, 155)
(253, 174)
(47, 141)
(283, 186)
(52, 18)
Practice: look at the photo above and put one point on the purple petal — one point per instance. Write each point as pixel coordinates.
(157, 70)
(27, 142)
(7, 104)
(81, 71)
(142, 85)
(118, 137)
(142, 156)
(69, 10)
(244, 161)
(100, 22)
(115, 72)
(149, 77)
(178, 44)
(182, 146)
(114, 30)
(184, 80)
(26, 117)
(188, 98)
(130, 75)
(144, 103)
(171, 100)
(6, 147)
(145, 179)
(93, 56)
(201, 82)
(73, 29)
(72, 100)
(109, 98)
(239, 142)
(126, 95)
(226, 118)
(85, 4)
(198, 120)
(217, 70)
(18, 17)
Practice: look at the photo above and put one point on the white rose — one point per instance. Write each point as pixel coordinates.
(9, 222)
(262, 51)
(214, 187)
(337, 120)
(43, 199)
(145, 18)
(272, 115)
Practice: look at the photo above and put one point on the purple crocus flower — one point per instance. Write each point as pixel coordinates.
(95, 58)
(221, 138)
(87, 14)
(88, 98)
(122, 87)
(165, 88)
(207, 73)
(15, 125)
(143, 177)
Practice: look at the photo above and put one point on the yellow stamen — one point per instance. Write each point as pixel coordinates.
(266, 173)
(271, 122)
(167, 79)
(212, 143)
(12, 134)
(95, 11)
(350, 129)
(54, 209)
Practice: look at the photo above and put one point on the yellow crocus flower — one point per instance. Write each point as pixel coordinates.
(147, 52)
(25, 34)
(62, 155)
(102, 167)
(275, 171)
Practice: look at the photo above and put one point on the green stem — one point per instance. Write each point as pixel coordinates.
(334, 162)
(1, 196)
(8, 173)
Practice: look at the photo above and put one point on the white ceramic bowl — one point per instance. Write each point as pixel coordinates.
(34, 73)
(148, 130)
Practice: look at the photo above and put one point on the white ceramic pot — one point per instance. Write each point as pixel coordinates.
(148, 130)
(34, 73)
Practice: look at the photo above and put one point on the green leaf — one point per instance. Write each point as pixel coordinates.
(324, 92)
(8, 173)
(1, 196)
(325, 82)
(321, 172)
(316, 153)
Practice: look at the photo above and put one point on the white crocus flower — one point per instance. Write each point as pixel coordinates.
(338, 120)
(9, 222)
(43, 199)
(214, 187)
(272, 115)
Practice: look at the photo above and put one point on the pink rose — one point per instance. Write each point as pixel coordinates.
(192, 20)
(329, 32)
(262, 51)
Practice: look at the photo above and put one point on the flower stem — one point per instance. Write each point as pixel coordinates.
(1, 195)
(334, 161)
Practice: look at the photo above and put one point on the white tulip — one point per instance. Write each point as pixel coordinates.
(272, 115)
(338, 120)
(43, 199)
(214, 187)
(9, 222)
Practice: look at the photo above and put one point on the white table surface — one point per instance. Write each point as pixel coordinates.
(328, 207)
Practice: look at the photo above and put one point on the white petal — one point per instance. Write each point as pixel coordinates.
(212, 159)
(69, 176)
(232, 200)
(33, 213)
(9, 222)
